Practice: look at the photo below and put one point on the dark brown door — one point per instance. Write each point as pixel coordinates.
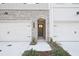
(40, 30)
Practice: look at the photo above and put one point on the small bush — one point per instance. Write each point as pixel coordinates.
(33, 42)
(57, 50)
(51, 40)
(30, 53)
(60, 52)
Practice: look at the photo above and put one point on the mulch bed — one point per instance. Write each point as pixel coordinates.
(44, 53)
(37, 53)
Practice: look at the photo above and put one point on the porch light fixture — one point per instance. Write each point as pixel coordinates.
(25, 3)
(77, 13)
(40, 26)
(6, 13)
(33, 25)
(2, 3)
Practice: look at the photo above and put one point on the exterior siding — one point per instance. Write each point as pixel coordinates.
(22, 15)
(66, 22)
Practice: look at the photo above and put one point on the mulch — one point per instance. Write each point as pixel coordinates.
(45, 53)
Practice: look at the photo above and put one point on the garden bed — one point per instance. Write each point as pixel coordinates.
(56, 51)
(36, 53)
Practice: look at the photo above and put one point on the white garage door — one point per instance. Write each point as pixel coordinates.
(66, 31)
(15, 31)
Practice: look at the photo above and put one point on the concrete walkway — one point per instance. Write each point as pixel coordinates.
(41, 46)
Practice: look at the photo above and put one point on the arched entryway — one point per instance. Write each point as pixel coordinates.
(41, 28)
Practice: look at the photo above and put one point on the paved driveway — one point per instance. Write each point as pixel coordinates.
(71, 47)
(17, 48)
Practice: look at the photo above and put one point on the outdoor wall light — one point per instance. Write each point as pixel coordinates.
(25, 3)
(55, 25)
(6, 13)
(77, 13)
(0, 50)
(75, 32)
(40, 26)
(33, 25)
(2, 3)
(37, 3)
(8, 32)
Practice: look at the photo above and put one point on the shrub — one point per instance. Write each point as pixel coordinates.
(30, 53)
(57, 50)
(51, 40)
(33, 42)
(60, 52)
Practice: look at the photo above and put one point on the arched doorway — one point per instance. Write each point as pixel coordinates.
(41, 28)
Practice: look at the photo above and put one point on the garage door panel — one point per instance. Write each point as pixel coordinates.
(66, 31)
(15, 31)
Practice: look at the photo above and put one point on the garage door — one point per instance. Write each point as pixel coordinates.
(15, 31)
(66, 31)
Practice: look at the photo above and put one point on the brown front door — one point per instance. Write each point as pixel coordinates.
(41, 28)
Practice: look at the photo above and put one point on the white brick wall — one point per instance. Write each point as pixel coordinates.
(23, 14)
